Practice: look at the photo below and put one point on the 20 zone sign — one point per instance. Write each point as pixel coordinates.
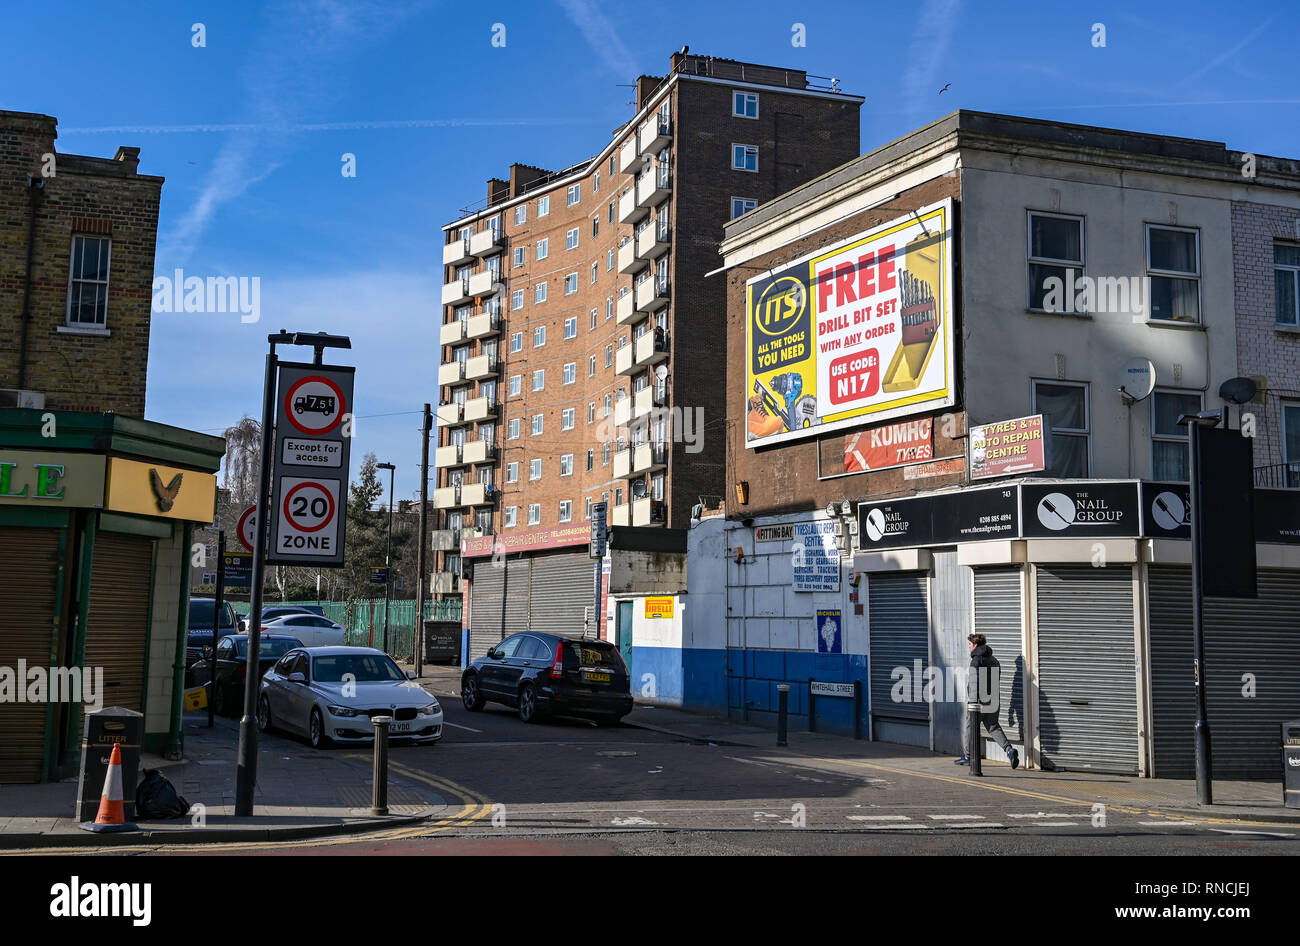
(308, 522)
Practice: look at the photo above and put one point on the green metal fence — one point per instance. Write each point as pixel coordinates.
(364, 619)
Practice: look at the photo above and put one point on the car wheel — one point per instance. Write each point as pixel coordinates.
(528, 703)
(316, 730)
(470, 695)
(264, 715)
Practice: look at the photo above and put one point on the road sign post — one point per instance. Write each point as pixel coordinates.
(597, 551)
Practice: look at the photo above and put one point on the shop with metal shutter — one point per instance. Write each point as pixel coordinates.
(562, 592)
(498, 603)
(1087, 692)
(117, 620)
(899, 637)
(999, 616)
(1259, 637)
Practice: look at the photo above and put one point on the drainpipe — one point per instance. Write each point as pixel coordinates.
(34, 187)
(182, 633)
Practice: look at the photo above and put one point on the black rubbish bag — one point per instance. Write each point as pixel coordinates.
(156, 798)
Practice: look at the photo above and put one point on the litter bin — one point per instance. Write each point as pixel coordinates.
(1291, 763)
(100, 732)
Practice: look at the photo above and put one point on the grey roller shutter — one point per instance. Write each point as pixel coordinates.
(900, 630)
(562, 592)
(1260, 638)
(1087, 694)
(29, 561)
(1000, 618)
(498, 603)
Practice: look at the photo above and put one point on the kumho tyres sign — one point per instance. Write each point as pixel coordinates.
(862, 331)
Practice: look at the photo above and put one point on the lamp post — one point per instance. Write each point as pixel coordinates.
(388, 554)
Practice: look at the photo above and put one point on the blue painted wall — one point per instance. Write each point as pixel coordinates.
(753, 676)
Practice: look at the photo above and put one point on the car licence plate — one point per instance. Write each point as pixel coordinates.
(596, 677)
(400, 727)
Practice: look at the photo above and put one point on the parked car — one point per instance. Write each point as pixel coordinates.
(273, 611)
(545, 673)
(306, 693)
(312, 630)
(199, 633)
(232, 665)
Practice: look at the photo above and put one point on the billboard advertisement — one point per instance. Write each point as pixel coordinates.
(1007, 448)
(858, 332)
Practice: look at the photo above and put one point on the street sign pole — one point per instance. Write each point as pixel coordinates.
(1204, 770)
(216, 623)
(421, 557)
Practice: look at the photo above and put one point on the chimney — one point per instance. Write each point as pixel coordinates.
(645, 87)
(521, 175)
(130, 158)
(498, 190)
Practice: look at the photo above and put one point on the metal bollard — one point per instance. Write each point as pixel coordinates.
(782, 712)
(973, 749)
(379, 790)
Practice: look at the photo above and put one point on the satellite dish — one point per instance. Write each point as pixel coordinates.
(661, 371)
(832, 509)
(1238, 390)
(1137, 379)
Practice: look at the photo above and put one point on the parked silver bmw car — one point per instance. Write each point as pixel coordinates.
(330, 694)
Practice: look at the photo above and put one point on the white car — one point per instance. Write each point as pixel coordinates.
(312, 629)
(330, 694)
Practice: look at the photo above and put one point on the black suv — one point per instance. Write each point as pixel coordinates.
(545, 673)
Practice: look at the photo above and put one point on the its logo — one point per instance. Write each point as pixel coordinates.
(780, 306)
(166, 494)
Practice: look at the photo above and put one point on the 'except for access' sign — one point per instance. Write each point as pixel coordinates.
(298, 451)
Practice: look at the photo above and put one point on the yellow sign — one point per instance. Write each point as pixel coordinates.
(44, 478)
(147, 489)
(658, 608)
(196, 699)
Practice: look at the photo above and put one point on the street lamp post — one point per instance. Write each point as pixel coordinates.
(388, 553)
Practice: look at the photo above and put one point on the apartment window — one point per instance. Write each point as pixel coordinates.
(518, 256)
(575, 193)
(571, 327)
(534, 469)
(515, 385)
(88, 281)
(512, 472)
(534, 514)
(516, 300)
(543, 249)
(595, 273)
(611, 165)
(1064, 406)
(567, 417)
(539, 379)
(543, 206)
(591, 412)
(609, 260)
(570, 284)
(592, 327)
(566, 510)
(741, 205)
(537, 424)
(1286, 281)
(1168, 440)
(571, 372)
(591, 367)
(604, 461)
(516, 341)
(571, 239)
(566, 465)
(609, 355)
(514, 428)
(595, 227)
(511, 512)
(539, 293)
(744, 104)
(1291, 442)
(609, 308)
(539, 336)
(521, 215)
(591, 462)
(595, 185)
(618, 496)
(744, 157)
(1174, 267)
(1055, 245)
(587, 514)
(609, 403)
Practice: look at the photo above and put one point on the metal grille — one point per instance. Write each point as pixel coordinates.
(1087, 697)
(117, 623)
(900, 629)
(28, 589)
(562, 590)
(1000, 618)
(499, 603)
(1260, 638)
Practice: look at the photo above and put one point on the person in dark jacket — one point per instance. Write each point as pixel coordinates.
(982, 689)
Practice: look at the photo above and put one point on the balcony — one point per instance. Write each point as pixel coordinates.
(466, 494)
(648, 512)
(653, 187)
(456, 252)
(654, 134)
(651, 295)
(446, 497)
(648, 457)
(630, 159)
(622, 412)
(449, 414)
(485, 243)
(480, 367)
(627, 258)
(482, 325)
(627, 311)
(443, 540)
(480, 451)
(452, 332)
(646, 400)
(444, 583)
(652, 242)
(621, 515)
(623, 363)
(480, 408)
(456, 291)
(448, 456)
(453, 372)
(629, 211)
(484, 283)
(622, 464)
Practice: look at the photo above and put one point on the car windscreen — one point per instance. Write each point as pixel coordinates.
(592, 654)
(201, 614)
(271, 648)
(365, 668)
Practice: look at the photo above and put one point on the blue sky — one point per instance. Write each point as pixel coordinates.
(250, 131)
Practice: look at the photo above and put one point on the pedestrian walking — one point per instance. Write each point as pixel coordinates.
(981, 683)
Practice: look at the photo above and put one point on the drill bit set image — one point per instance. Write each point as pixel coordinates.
(780, 407)
(918, 284)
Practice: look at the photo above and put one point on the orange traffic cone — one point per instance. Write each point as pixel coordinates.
(112, 812)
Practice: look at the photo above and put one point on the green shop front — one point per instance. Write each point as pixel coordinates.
(97, 514)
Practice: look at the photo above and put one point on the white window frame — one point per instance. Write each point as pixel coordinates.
(566, 464)
(590, 503)
(516, 300)
(1174, 274)
(571, 323)
(539, 336)
(571, 372)
(1294, 272)
(512, 472)
(746, 97)
(571, 238)
(516, 385)
(539, 422)
(566, 510)
(521, 215)
(534, 514)
(512, 513)
(574, 194)
(570, 284)
(742, 200)
(609, 260)
(516, 341)
(539, 293)
(539, 379)
(1079, 266)
(543, 206)
(513, 429)
(1085, 431)
(543, 249)
(568, 418)
(534, 469)
(519, 257)
(748, 150)
(595, 273)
